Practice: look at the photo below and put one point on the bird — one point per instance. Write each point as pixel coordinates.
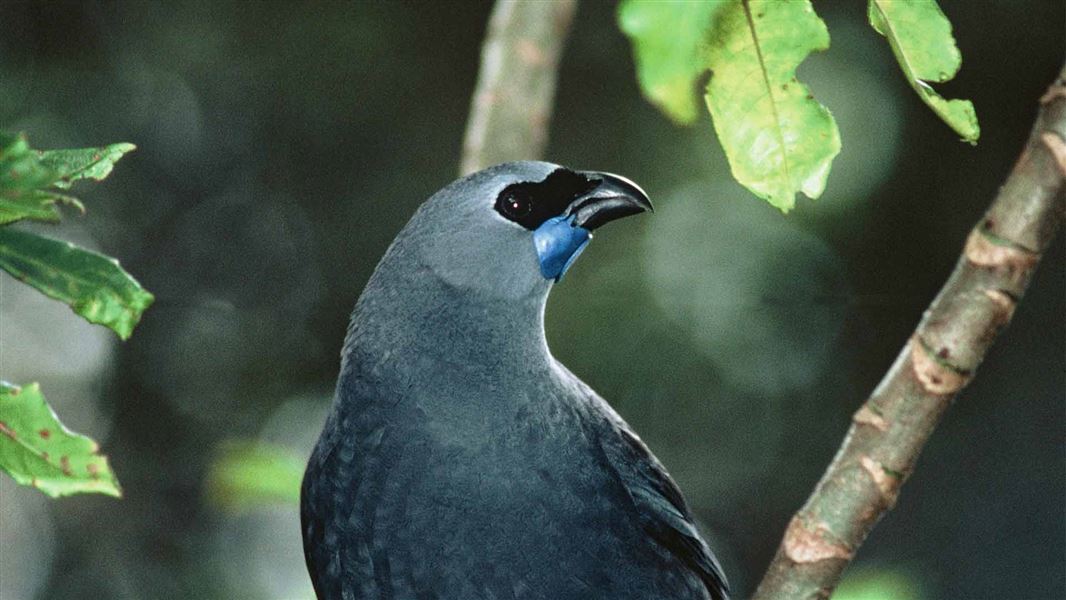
(459, 459)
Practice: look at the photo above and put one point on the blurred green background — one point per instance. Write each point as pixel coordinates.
(282, 146)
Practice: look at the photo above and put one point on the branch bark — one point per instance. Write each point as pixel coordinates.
(512, 104)
(890, 429)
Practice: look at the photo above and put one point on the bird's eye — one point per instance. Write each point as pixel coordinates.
(531, 203)
(516, 205)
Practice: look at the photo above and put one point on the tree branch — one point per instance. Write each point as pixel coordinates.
(512, 104)
(890, 429)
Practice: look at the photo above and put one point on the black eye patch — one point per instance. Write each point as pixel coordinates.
(531, 203)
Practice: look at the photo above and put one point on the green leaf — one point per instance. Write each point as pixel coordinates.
(34, 205)
(669, 42)
(20, 167)
(21, 179)
(95, 286)
(920, 37)
(878, 584)
(29, 180)
(37, 450)
(777, 138)
(248, 475)
(83, 163)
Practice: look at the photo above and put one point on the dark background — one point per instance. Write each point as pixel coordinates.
(282, 146)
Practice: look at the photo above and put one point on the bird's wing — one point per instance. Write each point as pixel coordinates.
(662, 509)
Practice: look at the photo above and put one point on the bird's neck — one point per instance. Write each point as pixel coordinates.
(412, 314)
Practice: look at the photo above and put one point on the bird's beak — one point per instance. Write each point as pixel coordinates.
(560, 240)
(615, 197)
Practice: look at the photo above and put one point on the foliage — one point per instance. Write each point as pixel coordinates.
(95, 286)
(246, 475)
(32, 187)
(30, 180)
(920, 36)
(777, 138)
(669, 42)
(37, 450)
(869, 584)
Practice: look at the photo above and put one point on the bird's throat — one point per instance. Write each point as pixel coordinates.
(433, 319)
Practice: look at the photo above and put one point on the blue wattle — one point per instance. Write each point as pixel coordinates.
(558, 243)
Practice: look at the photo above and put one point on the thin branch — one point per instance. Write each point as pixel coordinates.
(512, 105)
(890, 429)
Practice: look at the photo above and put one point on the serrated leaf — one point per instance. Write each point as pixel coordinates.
(20, 167)
(95, 286)
(920, 36)
(669, 42)
(36, 206)
(30, 180)
(70, 165)
(778, 139)
(246, 475)
(37, 450)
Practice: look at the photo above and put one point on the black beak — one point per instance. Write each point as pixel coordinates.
(613, 198)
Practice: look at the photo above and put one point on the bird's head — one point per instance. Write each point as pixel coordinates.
(514, 228)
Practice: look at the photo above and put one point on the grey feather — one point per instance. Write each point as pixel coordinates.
(461, 460)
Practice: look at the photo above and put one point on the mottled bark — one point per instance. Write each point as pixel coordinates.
(890, 429)
(512, 105)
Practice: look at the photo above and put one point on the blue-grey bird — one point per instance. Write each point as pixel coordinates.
(460, 460)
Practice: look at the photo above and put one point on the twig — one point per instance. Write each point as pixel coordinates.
(512, 105)
(889, 430)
